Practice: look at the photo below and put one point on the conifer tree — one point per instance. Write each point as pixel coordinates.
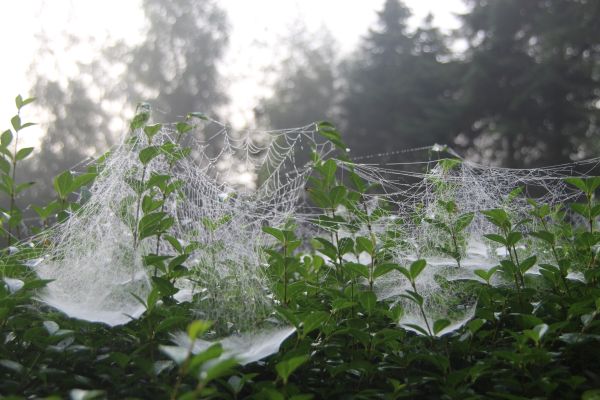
(397, 86)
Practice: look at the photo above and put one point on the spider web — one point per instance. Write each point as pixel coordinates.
(236, 183)
(413, 192)
(254, 179)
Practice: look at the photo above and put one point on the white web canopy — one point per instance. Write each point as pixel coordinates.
(415, 194)
(234, 184)
(224, 201)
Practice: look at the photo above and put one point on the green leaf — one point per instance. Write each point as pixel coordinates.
(147, 154)
(27, 125)
(449, 206)
(45, 212)
(486, 275)
(475, 324)
(417, 328)
(513, 238)
(142, 116)
(198, 115)
(62, 184)
(218, 370)
(313, 320)
(82, 180)
(578, 183)
(514, 193)
(405, 272)
(368, 300)
(508, 267)
(337, 195)
(496, 238)
(592, 183)
(164, 286)
(328, 169)
(154, 224)
(198, 328)
(22, 186)
(183, 127)
(328, 131)
(413, 296)
(170, 323)
(448, 164)
(345, 245)
(416, 268)
(592, 394)
(545, 236)
(581, 209)
(152, 130)
(289, 316)
(20, 103)
(327, 248)
(24, 152)
(36, 284)
(6, 138)
(319, 197)
(383, 269)
(498, 217)
(438, 224)
(440, 325)
(287, 367)
(16, 123)
(276, 233)
(358, 182)
(177, 261)
(364, 244)
(149, 204)
(527, 263)
(4, 165)
(463, 221)
(174, 242)
(11, 365)
(357, 269)
(537, 333)
(158, 180)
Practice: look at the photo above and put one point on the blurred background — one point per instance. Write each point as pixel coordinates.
(504, 82)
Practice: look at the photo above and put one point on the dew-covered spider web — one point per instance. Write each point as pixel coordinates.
(414, 194)
(232, 184)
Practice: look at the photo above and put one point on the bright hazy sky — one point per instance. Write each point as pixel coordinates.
(255, 27)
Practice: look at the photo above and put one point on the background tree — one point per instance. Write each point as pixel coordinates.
(398, 86)
(531, 82)
(304, 90)
(174, 69)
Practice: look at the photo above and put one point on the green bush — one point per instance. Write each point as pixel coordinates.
(538, 337)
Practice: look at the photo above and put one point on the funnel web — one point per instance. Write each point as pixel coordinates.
(224, 200)
(233, 184)
(416, 194)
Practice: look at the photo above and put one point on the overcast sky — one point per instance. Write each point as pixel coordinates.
(255, 27)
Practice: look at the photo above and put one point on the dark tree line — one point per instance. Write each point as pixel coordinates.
(174, 69)
(525, 91)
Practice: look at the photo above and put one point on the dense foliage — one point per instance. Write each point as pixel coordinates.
(536, 336)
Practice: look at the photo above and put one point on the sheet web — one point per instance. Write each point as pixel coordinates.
(415, 194)
(236, 183)
(253, 179)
